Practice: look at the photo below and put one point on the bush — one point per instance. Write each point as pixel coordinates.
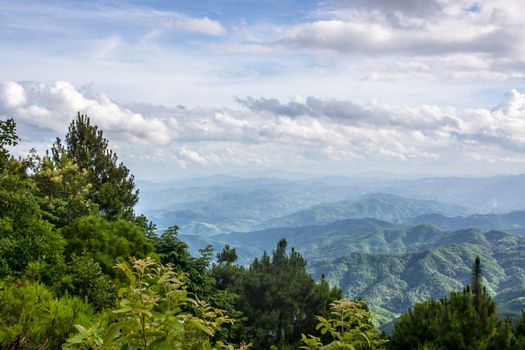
(151, 314)
(32, 317)
(350, 327)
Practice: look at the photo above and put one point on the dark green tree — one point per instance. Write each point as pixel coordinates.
(172, 250)
(113, 185)
(26, 239)
(107, 241)
(464, 320)
(228, 255)
(278, 298)
(8, 137)
(85, 278)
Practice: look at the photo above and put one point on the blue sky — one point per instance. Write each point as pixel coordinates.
(336, 87)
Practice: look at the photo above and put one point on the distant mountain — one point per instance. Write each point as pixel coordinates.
(334, 240)
(513, 222)
(393, 266)
(381, 206)
(239, 205)
(367, 236)
(224, 203)
(497, 194)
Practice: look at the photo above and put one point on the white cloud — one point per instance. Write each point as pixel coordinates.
(193, 156)
(446, 28)
(202, 25)
(52, 106)
(268, 132)
(11, 94)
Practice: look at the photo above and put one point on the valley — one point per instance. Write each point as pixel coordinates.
(392, 243)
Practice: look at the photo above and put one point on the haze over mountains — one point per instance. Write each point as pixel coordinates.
(393, 242)
(221, 203)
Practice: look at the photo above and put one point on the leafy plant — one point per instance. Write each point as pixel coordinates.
(350, 327)
(32, 317)
(152, 314)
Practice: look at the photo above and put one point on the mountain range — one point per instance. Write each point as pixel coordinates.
(394, 266)
(393, 242)
(224, 203)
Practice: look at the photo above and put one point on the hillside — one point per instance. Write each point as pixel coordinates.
(395, 282)
(394, 266)
(513, 222)
(381, 206)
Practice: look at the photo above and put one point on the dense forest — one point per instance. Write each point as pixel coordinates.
(80, 269)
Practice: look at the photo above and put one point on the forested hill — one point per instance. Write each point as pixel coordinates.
(357, 235)
(513, 222)
(394, 266)
(381, 206)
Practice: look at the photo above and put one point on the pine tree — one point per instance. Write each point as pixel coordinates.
(113, 185)
(228, 255)
(8, 137)
(476, 286)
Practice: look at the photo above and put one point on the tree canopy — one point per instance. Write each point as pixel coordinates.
(113, 185)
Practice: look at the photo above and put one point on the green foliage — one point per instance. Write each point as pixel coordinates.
(349, 327)
(8, 137)
(31, 317)
(85, 278)
(277, 297)
(151, 316)
(63, 190)
(113, 186)
(228, 255)
(25, 237)
(107, 241)
(465, 320)
(172, 250)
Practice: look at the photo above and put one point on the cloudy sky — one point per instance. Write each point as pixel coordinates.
(185, 88)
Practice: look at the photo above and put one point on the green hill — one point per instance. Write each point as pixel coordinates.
(513, 222)
(381, 206)
(394, 266)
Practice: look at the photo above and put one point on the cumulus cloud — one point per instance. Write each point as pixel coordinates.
(269, 132)
(191, 155)
(52, 106)
(403, 131)
(389, 27)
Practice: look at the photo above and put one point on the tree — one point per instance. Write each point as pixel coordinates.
(172, 250)
(113, 185)
(85, 278)
(32, 317)
(277, 297)
(26, 239)
(228, 255)
(464, 320)
(63, 190)
(106, 241)
(8, 137)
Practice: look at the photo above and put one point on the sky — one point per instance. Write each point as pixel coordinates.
(333, 87)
